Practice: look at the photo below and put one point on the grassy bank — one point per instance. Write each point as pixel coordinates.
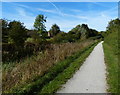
(25, 72)
(62, 78)
(111, 58)
(57, 75)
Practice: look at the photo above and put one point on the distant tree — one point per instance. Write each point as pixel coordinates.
(39, 25)
(5, 32)
(75, 33)
(17, 33)
(84, 31)
(54, 30)
(93, 32)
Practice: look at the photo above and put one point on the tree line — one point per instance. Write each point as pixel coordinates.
(18, 41)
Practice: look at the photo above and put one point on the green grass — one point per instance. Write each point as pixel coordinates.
(111, 59)
(41, 82)
(112, 68)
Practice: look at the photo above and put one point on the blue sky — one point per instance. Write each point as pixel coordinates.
(65, 14)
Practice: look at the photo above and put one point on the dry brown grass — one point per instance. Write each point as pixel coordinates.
(38, 65)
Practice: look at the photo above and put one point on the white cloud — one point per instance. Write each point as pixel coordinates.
(21, 12)
(55, 11)
(58, 10)
(45, 10)
(65, 25)
(95, 19)
(75, 16)
(99, 22)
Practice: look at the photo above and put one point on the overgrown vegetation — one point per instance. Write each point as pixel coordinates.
(55, 84)
(15, 74)
(19, 42)
(28, 55)
(38, 84)
(111, 50)
(80, 32)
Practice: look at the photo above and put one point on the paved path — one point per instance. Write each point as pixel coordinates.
(91, 77)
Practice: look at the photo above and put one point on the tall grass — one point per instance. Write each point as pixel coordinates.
(40, 82)
(24, 72)
(111, 51)
(61, 78)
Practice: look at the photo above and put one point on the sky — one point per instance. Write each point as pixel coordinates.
(60, 0)
(65, 14)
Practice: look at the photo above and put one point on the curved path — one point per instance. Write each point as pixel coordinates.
(91, 77)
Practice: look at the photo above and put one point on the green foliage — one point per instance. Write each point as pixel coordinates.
(32, 34)
(17, 33)
(14, 35)
(4, 30)
(92, 33)
(75, 33)
(83, 32)
(86, 32)
(64, 38)
(54, 30)
(31, 40)
(14, 38)
(113, 30)
(113, 26)
(112, 51)
(102, 34)
(60, 38)
(39, 25)
(78, 33)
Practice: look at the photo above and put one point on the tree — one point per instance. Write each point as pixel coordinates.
(17, 33)
(113, 25)
(82, 32)
(39, 25)
(92, 33)
(4, 30)
(54, 30)
(75, 33)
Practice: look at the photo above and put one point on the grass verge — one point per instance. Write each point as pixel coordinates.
(41, 83)
(25, 72)
(55, 84)
(58, 71)
(111, 60)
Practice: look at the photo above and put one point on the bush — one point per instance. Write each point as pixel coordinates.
(11, 53)
(17, 33)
